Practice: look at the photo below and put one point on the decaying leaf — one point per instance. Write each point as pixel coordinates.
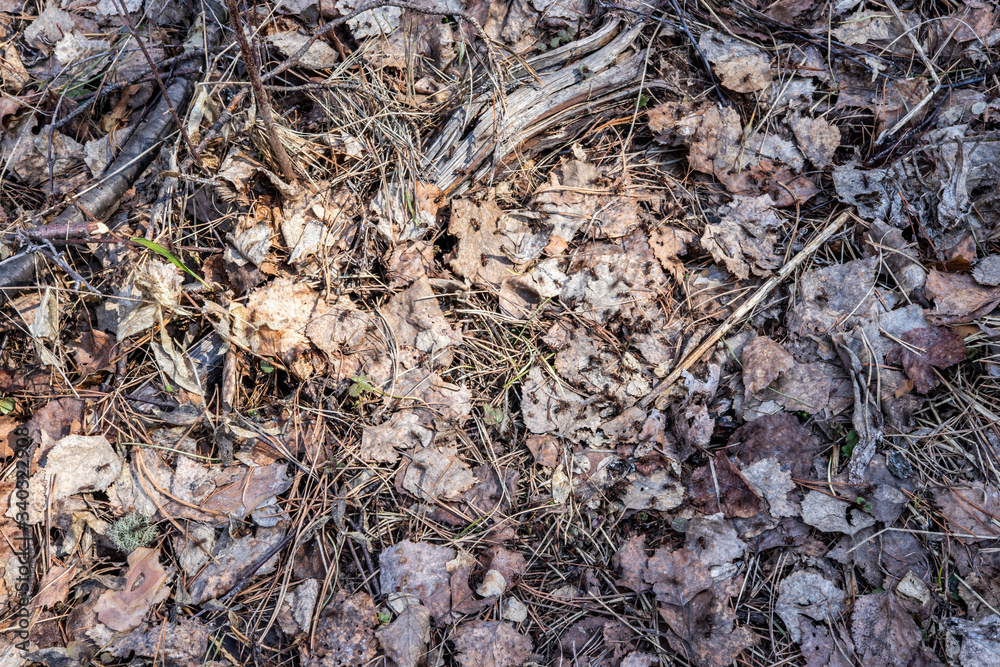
(405, 639)
(743, 68)
(659, 491)
(958, 298)
(436, 473)
(939, 347)
(830, 514)
(345, 633)
(75, 464)
(774, 484)
(817, 138)
(491, 644)
(885, 635)
(807, 593)
(763, 361)
(230, 562)
(835, 297)
(144, 586)
(969, 510)
(182, 643)
(746, 238)
(551, 407)
(402, 431)
(416, 572)
(719, 487)
(318, 56)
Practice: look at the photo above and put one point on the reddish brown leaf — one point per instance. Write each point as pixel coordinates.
(723, 489)
(630, 561)
(958, 298)
(763, 361)
(779, 436)
(491, 644)
(939, 347)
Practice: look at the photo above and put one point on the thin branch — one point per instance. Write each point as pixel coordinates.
(263, 101)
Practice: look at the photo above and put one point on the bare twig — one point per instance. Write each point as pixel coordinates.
(263, 101)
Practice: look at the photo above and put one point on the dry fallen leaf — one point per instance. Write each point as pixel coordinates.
(807, 593)
(829, 515)
(939, 347)
(402, 431)
(746, 239)
(416, 572)
(835, 297)
(345, 634)
(229, 563)
(763, 361)
(491, 644)
(182, 643)
(743, 68)
(884, 634)
(436, 474)
(405, 639)
(958, 298)
(144, 586)
(817, 138)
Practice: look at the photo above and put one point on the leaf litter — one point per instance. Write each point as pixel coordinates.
(474, 315)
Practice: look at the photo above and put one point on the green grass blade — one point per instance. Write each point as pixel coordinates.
(169, 256)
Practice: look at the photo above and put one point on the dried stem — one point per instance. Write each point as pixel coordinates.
(263, 101)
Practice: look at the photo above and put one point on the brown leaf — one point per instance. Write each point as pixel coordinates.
(763, 361)
(883, 632)
(483, 236)
(405, 639)
(545, 449)
(408, 262)
(509, 564)
(228, 565)
(630, 561)
(490, 497)
(779, 436)
(436, 474)
(746, 238)
(743, 68)
(807, 593)
(805, 387)
(344, 634)
(835, 297)
(817, 138)
(573, 199)
(970, 509)
(939, 347)
(94, 352)
(548, 407)
(181, 644)
(491, 644)
(957, 298)
(52, 589)
(820, 648)
(463, 600)
(144, 586)
(720, 487)
(418, 323)
(58, 418)
(418, 570)
(402, 431)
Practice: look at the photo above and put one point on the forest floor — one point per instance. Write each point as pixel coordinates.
(497, 334)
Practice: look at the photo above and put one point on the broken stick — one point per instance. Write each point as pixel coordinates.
(762, 293)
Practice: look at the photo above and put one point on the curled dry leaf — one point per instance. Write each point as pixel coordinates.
(144, 586)
(767, 477)
(491, 644)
